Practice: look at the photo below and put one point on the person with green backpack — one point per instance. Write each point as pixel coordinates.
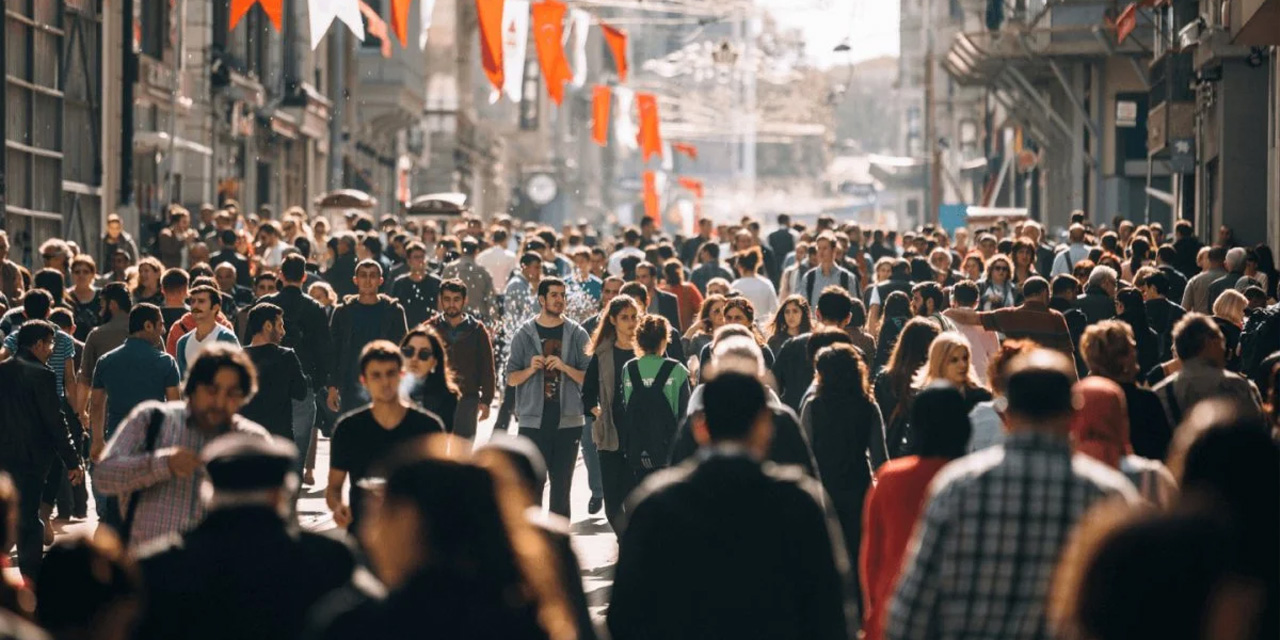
(655, 396)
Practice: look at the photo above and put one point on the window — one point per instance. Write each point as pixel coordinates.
(153, 25)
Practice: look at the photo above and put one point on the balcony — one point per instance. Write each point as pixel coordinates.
(1255, 22)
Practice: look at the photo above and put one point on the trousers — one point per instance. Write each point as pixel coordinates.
(559, 448)
(304, 424)
(591, 461)
(29, 480)
(617, 481)
(464, 417)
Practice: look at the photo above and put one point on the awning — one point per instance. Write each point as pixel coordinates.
(159, 141)
(898, 172)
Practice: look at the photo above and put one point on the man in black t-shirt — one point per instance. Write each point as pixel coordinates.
(363, 438)
(417, 290)
(272, 406)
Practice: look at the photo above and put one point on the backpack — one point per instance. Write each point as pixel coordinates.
(812, 276)
(1259, 338)
(646, 425)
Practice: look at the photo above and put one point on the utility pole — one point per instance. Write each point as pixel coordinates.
(934, 153)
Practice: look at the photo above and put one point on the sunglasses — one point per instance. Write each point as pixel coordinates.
(424, 354)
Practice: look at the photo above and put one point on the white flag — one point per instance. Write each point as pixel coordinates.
(515, 44)
(581, 22)
(624, 126)
(427, 8)
(323, 12)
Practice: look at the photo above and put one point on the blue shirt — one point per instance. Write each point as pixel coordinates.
(64, 349)
(131, 374)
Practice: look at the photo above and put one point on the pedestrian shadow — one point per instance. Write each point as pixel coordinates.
(591, 527)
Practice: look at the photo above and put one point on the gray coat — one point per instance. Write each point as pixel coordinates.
(573, 351)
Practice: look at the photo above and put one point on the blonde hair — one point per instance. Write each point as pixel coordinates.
(940, 352)
(1230, 306)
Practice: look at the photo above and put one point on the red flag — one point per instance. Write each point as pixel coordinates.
(273, 8)
(548, 35)
(601, 100)
(693, 185)
(651, 198)
(1126, 22)
(376, 27)
(685, 148)
(617, 41)
(489, 13)
(650, 137)
(400, 20)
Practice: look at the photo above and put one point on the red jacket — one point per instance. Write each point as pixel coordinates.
(889, 515)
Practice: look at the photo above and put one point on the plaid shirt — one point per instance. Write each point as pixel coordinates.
(984, 552)
(168, 504)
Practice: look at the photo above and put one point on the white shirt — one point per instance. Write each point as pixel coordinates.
(273, 256)
(195, 344)
(499, 263)
(615, 260)
(761, 294)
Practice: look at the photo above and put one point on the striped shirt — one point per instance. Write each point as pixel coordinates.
(168, 504)
(64, 349)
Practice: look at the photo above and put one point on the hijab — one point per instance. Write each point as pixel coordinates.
(1100, 427)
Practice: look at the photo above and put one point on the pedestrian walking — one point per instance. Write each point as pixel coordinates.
(357, 322)
(1100, 429)
(470, 356)
(430, 377)
(612, 345)
(272, 407)
(363, 438)
(152, 464)
(477, 280)
(655, 396)
(895, 385)
(206, 304)
(416, 290)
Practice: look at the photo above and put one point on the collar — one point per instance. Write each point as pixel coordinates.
(725, 450)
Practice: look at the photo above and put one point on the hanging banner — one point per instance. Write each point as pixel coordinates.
(377, 28)
(273, 8)
(322, 13)
(601, 97)
(651, 206)
(685, 148)
(581, 22)
(515, 45)
(617, 40)
(624, 127)
(548, 36)
(650, 137)
(400, 20)
(426, 8)
(489, 14)
(692, 185)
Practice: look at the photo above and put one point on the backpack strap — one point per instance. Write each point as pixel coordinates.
(633, 373)
(664, 372)
(809, 279)
(153, 434)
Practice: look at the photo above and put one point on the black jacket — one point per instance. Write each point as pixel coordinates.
(1222, 284)
(668, 307)
(306, 327)
(32, 429)
(242, 573)
(1186, 250)
(1149, 430)
(1096, 305)
(346, 354)
(793, 371)
(1177, 282)
(1076, 324)
(782, 243)
(243, 278)
(723, 547)
(789, 446)
(341, 275)
(1162, 315)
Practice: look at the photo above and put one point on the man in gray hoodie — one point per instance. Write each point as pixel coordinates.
(547, 363)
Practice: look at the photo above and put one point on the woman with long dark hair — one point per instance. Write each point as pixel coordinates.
(894, 503)
(1131, 308)
(1024, 262)
(847, 433)
(612, 346)
(1266, 262)
(897, 311)
(710, 317)
(792, 319)
(1139, 257)
(427, 362)
(894, 384)
(451, 542)
(739, 310)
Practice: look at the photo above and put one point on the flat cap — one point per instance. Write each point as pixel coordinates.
(244, 462)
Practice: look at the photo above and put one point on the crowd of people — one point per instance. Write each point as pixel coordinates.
(818, 432)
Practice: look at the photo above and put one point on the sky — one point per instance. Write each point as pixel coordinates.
(871, 26)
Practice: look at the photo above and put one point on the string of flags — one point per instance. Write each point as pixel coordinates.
(504, 29)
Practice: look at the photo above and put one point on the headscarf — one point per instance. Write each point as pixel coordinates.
(1100, 426)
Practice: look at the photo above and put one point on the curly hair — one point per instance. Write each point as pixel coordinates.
(1109, 350)
(651, 334)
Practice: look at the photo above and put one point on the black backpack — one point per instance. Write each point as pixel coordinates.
(811, 277)
(647, 425)
(1259, 338)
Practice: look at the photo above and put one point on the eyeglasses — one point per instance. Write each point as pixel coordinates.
(424, 354)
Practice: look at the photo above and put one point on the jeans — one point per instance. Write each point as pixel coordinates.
(559, 448)
(464, 417)
(591, 460)
(304, 423)
(29, 480)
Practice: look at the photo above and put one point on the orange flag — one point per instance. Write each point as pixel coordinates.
(617, 41)
(1126, 22)
(685, 148)
(490, 18)
(376, 27)
(651, 198)
(548, 35)
(400, 20)
(693, 185)
(650, 137)
(601, 100)
(273, 8)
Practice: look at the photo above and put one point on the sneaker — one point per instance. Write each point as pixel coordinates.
(594, 505)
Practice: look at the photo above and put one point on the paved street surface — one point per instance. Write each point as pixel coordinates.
(592, 537)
